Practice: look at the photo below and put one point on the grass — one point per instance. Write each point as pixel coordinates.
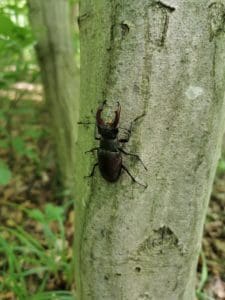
(28, 263)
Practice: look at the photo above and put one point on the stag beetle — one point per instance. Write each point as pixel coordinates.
(110, 148)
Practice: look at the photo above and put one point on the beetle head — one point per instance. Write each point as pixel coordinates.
(108, 130)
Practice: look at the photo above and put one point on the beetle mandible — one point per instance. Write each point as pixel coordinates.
(110, 149)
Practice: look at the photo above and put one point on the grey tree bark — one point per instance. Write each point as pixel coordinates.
(165, 59)
(52, 27)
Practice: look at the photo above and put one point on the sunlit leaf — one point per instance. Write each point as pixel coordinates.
(5, 173)
(7, 27)
(53, 212)
(221, 167)
(36, 214)
(18, 145)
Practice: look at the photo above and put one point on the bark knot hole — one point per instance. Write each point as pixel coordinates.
(138, 269)
(216, 18)
(125, 28)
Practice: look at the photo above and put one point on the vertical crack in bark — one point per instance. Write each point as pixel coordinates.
(146, 71)
(158, 17)
(111, 49)
(118, 32)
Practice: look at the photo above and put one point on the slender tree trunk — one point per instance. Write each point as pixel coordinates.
(51, 23)
(165, 59)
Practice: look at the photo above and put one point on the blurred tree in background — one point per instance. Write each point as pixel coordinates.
(35, 248)
(56, 55)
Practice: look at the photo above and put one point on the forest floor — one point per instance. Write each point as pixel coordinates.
(213, 243)
(37, 217)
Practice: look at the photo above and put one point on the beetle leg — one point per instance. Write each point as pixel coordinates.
(123, 128)
(134, 155)
(129, 130)
(93, 171)
(85, 123)
(92, 150)
(125, 140)
(135, 120)
(97, 137)
(133, 179)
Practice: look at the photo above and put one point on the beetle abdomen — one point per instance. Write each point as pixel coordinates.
(110, 164)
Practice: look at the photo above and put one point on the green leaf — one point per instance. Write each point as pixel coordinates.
(4, 144)
(32, 154)
(221, 167)
(37, 215)
(7, 27)
(54, 295)
(18, 145)
(53, 212)
(204, 274)
(5, 173)
(34, 133)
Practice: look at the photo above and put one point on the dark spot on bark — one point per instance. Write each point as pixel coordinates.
(164, 5)
(82, 18)
(144, 296)
(106, 277)
(138, 269)
(118, 274)
(92, 256)
(136, 88)
(124, 29)
(112, 33)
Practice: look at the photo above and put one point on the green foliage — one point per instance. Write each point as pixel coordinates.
(17, 63)
(57, 295)
(221, 167)
(16, 43)
(5, 173)
(19, 141)
(203, 279)
(25, 259)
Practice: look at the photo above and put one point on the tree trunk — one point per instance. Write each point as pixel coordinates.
(51, 24)
(165, 59)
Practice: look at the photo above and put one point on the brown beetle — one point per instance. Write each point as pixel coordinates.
(110, 148)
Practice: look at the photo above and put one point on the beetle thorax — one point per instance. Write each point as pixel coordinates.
(107, 132)
(109, 144)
